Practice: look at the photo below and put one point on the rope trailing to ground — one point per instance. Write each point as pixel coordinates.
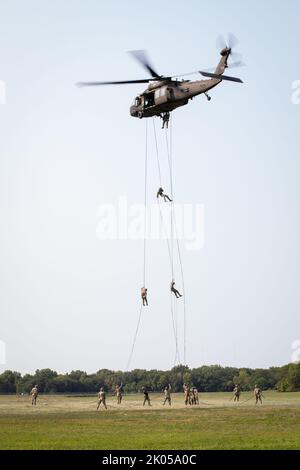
(170, 248)
(174, 230)
(144, 248)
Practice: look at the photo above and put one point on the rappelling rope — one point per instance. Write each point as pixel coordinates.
(157, 154)
(169, 156)
(134, 339)
(144, 249)
(173, 310)
(183, 292)
(174, 224)
(145, 202)
(170, 251)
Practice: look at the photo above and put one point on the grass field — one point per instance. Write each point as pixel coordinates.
(70, 422)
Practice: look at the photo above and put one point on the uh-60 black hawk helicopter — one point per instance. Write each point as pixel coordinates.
(164, 94)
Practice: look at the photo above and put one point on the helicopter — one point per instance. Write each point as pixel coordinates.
(164, 94)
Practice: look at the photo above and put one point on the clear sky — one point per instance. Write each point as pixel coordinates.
(69, 300)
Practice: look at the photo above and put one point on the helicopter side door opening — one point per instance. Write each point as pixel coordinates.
(149, 100)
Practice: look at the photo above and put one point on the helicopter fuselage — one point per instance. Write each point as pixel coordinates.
(164, 96)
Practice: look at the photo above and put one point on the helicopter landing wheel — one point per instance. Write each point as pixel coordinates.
(140, 114)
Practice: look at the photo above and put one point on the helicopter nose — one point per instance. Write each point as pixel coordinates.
(133, 111)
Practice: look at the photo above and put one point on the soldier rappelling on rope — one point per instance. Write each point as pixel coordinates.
(161, 193)
(144, 293)
(174, 290)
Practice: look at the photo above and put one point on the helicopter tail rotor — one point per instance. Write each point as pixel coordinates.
(226, 49)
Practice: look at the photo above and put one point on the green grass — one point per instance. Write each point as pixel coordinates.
(64, 422)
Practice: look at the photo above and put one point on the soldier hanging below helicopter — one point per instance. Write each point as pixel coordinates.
(174, 290)
(160, 193)
(166, 118)
(144, 292)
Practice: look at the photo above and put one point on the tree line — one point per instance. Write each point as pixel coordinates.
(206, 378)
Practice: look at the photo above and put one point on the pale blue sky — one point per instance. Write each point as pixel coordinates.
(69, 301)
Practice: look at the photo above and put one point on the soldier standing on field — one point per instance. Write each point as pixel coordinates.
(167, 392)
(34, 394)
(146, 396)
(118, 393)
(101, 398)
(195, 396)
(237, 392)
(257, 394)
(187, 394)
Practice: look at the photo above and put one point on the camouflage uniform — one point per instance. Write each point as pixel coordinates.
(257, 394)
(118, 393)
(195, 396)
(146, 397)
(237, 393)
(101, 399)
(144, 292)
(167, 392)
(187, 394)
(34, 394)
(174, 290)
(161, 193)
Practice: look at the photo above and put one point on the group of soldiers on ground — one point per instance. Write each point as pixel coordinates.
(257, 393)
(191, 396)
(144, 290)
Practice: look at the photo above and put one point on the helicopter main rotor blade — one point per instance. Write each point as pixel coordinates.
(142, 58)
(123, 82)
(185, 74)
(221, 77)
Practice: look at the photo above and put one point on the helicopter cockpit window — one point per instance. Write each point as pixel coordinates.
(137, 101)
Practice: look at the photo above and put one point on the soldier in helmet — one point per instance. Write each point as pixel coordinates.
(101, 398)
(174, 290)
(144, 293)
(195, 396)
(146, 396)
(34, 394)
(167, 392)
(257, 394)
(237, 393)
(165, 118)
(160, 193)
(187, 394)
(118, 393)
